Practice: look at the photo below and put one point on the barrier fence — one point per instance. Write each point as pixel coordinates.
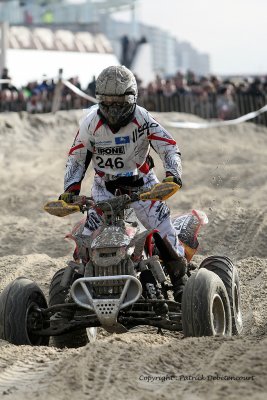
(211, 108)
(65, 96)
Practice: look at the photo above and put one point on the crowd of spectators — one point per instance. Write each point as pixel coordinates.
(207, 96)
(34, 97)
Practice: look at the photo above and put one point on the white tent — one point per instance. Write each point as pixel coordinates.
(34, 52)
(30, 65)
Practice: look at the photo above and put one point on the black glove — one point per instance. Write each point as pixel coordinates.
(67, 197)
(174, 179)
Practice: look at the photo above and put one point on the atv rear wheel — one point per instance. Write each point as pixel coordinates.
(224, 268)
(20, 315)
(205, 306)
(57, 295)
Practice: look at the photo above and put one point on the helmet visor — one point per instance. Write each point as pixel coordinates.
(108, 100)
(116, 109)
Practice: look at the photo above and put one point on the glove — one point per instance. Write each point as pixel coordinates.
(67, 197)
(174, 179)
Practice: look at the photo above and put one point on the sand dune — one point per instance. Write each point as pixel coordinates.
(225, 174)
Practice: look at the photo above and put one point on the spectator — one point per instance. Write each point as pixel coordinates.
(5, 75)
(169, 88)
(191, 78)
(256, 88)
(91, 87)
(34, 102)
(225, 104)
(9, 93)
(181, 84)
(216, 82)
(159, 84)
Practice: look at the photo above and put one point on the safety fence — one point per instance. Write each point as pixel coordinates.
(65, 96)
(212, 107)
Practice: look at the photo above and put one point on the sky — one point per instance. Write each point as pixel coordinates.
(232, 32)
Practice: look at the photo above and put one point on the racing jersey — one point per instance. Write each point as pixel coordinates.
(124, 153)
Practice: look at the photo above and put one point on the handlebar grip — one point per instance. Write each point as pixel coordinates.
(83, 200)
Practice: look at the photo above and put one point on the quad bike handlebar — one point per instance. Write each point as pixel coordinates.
(85, 203)
(159, 192)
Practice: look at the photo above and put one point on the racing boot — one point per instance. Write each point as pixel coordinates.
(152, 291)
(191, 266)
(177, 272)
(175, 264)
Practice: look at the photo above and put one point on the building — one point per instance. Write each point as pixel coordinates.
(32, 52)
(188, 58)
(168, 55)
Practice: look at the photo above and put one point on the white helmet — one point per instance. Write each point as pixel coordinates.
(116, 92)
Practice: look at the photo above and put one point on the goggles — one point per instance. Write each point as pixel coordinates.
(107, 100)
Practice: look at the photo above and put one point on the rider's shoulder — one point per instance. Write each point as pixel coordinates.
(89, 115)
(142, 113)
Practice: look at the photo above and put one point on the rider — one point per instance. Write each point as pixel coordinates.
(116, 135)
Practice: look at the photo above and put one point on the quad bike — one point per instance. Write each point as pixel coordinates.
(118, 280)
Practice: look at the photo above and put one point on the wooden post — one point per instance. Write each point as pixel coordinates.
(57, 93)
(3, 44)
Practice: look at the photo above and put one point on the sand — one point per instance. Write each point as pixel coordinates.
(225, 175)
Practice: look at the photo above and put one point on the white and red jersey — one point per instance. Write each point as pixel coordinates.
(122, 153)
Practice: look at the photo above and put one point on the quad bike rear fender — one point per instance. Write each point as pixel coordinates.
(187, 227)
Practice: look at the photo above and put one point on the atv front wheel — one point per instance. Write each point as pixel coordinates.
(206, 308)
(224, 268)
(20, 304)
(57, 295)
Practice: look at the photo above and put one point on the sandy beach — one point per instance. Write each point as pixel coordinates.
(225, 175)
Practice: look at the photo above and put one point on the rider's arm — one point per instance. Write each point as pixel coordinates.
(79, 158)
(165, 145)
